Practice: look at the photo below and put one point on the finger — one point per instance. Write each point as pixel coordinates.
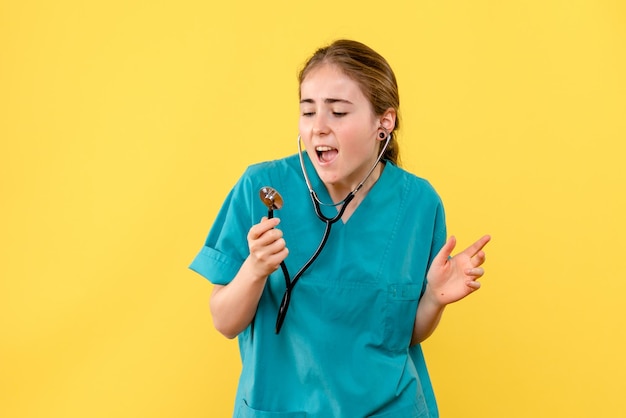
(473, 284)
(446, 250)
(478, 259)
(269, 238)
(475, 272)
(262, 227)
(276, 246)
(278, 258)
(473, 249)
(271, 254)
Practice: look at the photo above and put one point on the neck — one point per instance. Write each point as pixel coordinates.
(338, 192)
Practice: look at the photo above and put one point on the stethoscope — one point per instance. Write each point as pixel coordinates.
(273, 200)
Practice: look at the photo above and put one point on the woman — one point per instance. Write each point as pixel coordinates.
(348, 345)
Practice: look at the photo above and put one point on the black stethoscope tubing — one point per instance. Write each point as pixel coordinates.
(291, 283)
(329, 221)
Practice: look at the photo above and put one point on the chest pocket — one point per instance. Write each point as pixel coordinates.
(400, 310)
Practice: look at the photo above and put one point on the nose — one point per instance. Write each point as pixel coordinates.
(320, 124)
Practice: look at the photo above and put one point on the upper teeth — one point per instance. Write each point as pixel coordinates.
(321, 149)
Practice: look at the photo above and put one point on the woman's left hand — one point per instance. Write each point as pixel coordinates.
(452, 278)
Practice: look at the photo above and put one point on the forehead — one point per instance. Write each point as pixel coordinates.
(329, 81)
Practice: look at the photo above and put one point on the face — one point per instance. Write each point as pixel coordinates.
(338, 128)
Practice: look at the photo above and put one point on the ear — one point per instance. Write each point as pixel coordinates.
(388, 119)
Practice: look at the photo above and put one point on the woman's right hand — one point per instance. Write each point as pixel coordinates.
(267, 246)
(234, 305)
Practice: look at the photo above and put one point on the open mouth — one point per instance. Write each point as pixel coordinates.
(326, 154)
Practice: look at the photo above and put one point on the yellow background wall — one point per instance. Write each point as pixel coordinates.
(123, 124)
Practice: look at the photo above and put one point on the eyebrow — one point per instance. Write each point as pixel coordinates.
(327, 101)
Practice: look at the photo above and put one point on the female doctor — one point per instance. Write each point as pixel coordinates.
(331, 298)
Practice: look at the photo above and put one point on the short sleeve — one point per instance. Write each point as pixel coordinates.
(226, 246)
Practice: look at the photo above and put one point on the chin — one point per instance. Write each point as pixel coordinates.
(328, 179)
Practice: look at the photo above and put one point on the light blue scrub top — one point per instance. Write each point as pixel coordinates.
(343, 350)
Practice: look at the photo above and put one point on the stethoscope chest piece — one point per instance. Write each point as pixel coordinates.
(271, 198)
